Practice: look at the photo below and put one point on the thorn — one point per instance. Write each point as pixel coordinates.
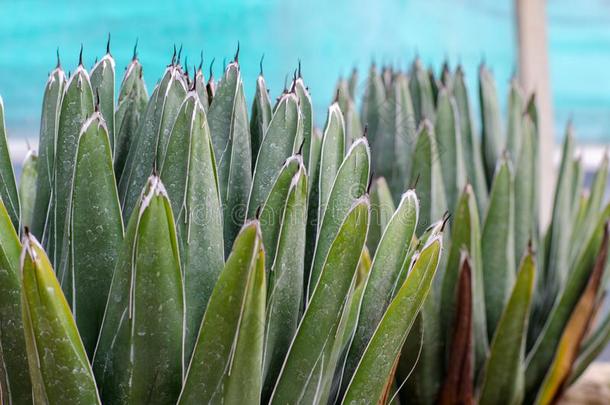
(135, 51)
(286, 84)
(200, 62)
(300, 151)
(154, 169)
(368, 187)
(186, 65)
(80, 56)
(179, 53)
(446, 217)
(294, 82)
(173, 56)
(108, 45)
(194, 87)
(58, 60)
(260, 64)
(224, 63)
(97, 99)
(414, 185)
(336, 100)
(299, 69)
(366, 130)
(236, 59)
(26, 231)
(211, 65)
(257, 215)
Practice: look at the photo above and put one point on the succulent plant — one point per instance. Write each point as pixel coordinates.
(173, 251)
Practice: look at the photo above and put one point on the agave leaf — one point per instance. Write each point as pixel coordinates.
(475, 174)
(426, 178)
(515, 130)
(591, 348)
(228, 120)
(491, 138)
(133, 98)
(283, 138)
(227, 361)
(314, 198)
(285, 281)
(465, 235)
(373, 104)
(405, 136)
(306, 108)
(458, 383)
(574, 332)
(369, 380)
(350, 183)
(383, 280)
(51, 105)
(199, 83)
(331, 155)
(8, 186)
(17, 387)
(261, 116)
(497, 245)
(27, 187)
(59, 367)
(155, 127)
(76, 108)
(272, 211)
(526, 176)
(352, 83)
(139, 355)
(94, 233)
(449, 145)
(434, 84)
(382, 209)
(189, 175)
(102, 83)
(421, 92)
(503, 373)
(544, 347)
(306, 364)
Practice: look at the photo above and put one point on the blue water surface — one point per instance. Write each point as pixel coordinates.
(330, 37)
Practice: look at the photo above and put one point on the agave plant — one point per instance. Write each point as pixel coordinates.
(167, 249)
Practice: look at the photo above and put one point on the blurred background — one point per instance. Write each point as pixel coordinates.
(330, 37)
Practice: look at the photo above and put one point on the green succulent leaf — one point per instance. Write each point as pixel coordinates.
(76, 108)
(133, 99)
(492, 137)
(228, 120)
(286, 280)
(373, 104)
(102, 83)
(227, 361)
(139, 355)
(189, 175)
(515, 130)
(497, 245)
(260, 117)
(59, 367)
(386, 343)
(383, 281)
(27, 187)
(307, 361)
(16, 385)
(51, 106)
(94, 234)
(504, 370)
(306, 108)
(421, 92)
(282, 138)
(382, 209)
(8, 186)
(350, 183)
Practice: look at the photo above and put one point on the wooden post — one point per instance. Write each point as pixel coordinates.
(534, 76)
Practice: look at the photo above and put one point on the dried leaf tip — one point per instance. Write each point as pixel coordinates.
(80, 56)
(236, 58)
(260, 64)
(108, 45)
(135, 51)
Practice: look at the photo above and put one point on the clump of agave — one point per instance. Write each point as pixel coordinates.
(174, 251)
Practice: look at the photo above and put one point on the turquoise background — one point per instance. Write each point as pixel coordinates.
(330, 37)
